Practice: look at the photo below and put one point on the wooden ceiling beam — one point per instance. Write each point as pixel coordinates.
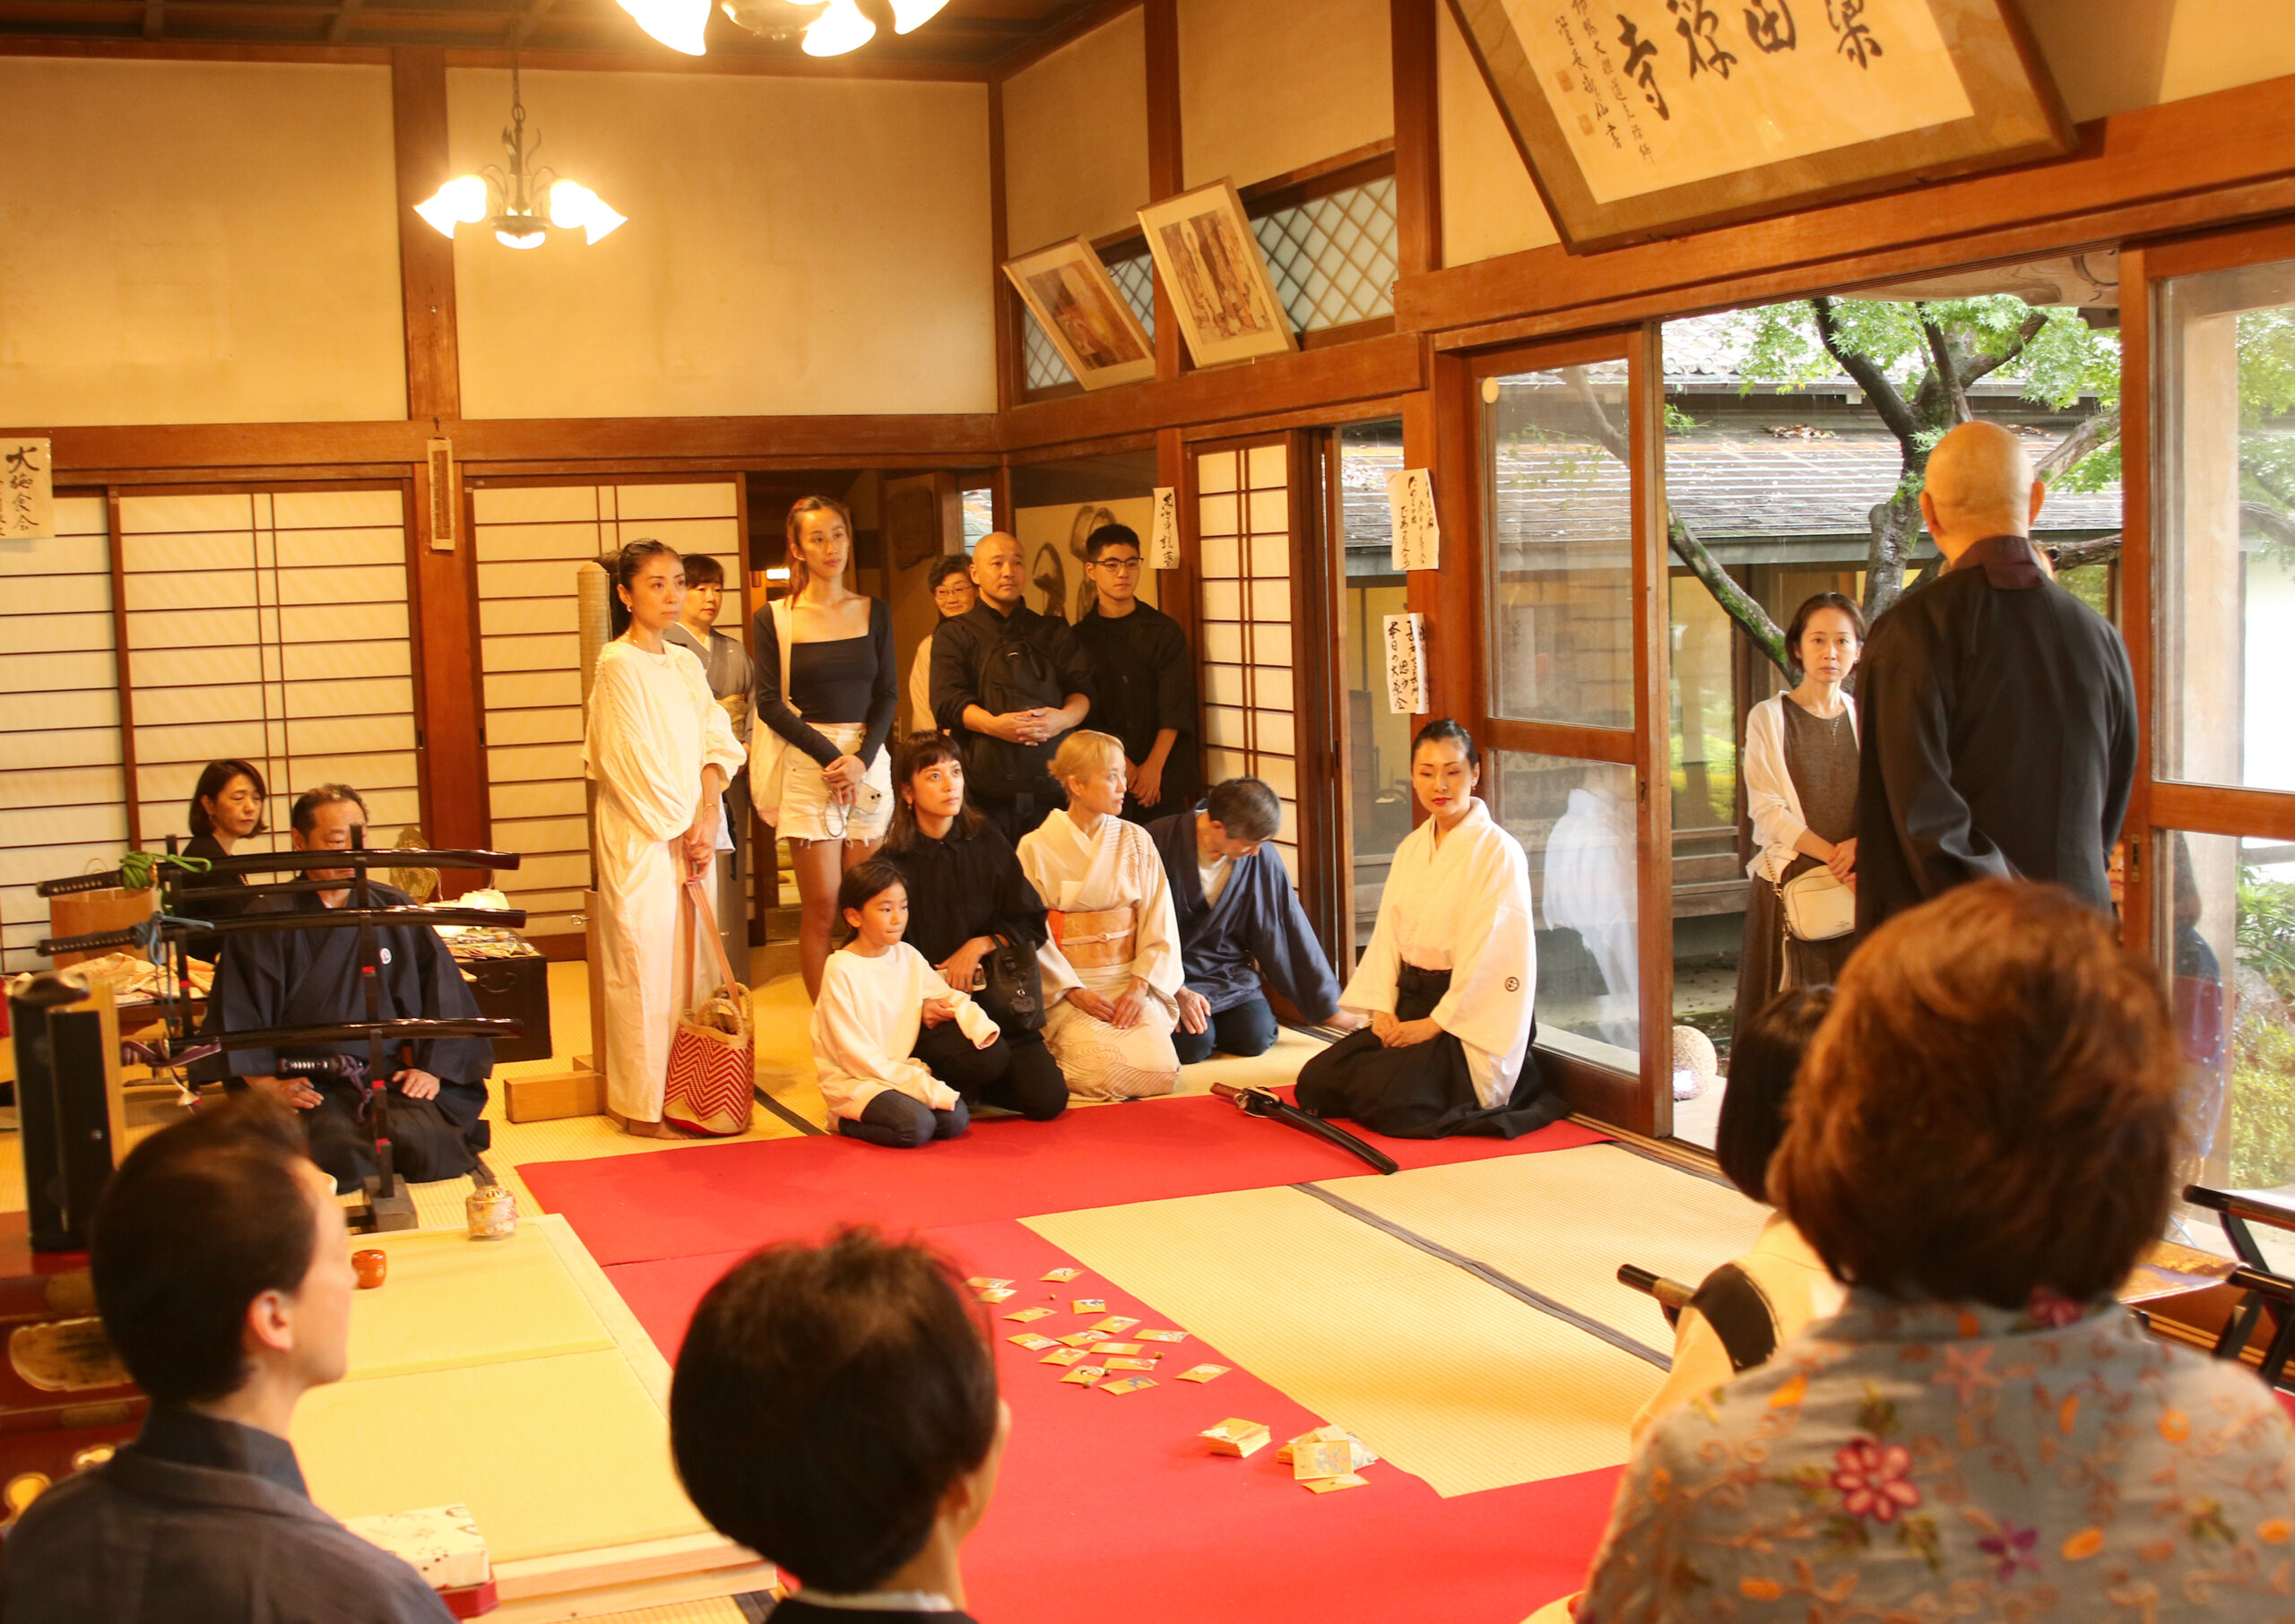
(155, 14)
(345, 15)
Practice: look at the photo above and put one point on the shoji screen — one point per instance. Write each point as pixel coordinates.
(1250, 692)
(531, 539)
(272, 626)
(63, 793)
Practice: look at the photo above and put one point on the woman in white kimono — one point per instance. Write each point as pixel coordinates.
(1449, 978)
(662, 751)
(1110, 970)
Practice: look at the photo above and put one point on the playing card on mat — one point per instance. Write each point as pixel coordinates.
(1325, 1485)
(1205, 1373)
(1115, 1324)
(1236, 1435)
(986, 1282)
(1033, 1343)
(1119, 1347)
(1024, 1315)
(1084, 1376)
(1162, 1335)
(1081, 1339)
(1091, 1305)
(1120, 1362)
(999, 1294)
(1064, 1356)
(1060, 1276)
(1129, 1384)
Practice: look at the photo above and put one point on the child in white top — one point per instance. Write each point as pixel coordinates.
(877, 994)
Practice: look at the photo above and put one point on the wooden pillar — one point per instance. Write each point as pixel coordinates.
(1166, 166)
(1003, 300)
(1418, 153)
(451, 726)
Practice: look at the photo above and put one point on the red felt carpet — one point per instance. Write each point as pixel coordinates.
(1109, 1506)
(731, 1197)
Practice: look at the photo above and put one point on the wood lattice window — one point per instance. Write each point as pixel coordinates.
(1250, 694)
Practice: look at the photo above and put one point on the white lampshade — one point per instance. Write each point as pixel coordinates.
(572, 204)
(462, 200)
(522, 239)
(914, 14)
(678, 24)
(841, 28)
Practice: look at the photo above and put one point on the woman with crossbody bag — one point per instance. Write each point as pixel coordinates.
(1800, 776)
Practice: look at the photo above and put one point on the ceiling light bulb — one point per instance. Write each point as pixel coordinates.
(841, 28)
(462, 200)
(520, 239)
(572, 204)
(914, 14)
(678, 24)
(773, 19)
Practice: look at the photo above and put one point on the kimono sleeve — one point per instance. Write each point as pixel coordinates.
(1289, 958)
(446, 996)
(1371, 990)
(1493, 972)
(1036, 864)
(1628, 1581)
(1907, 766)
(622, 752)
(719, 747)
(248, 993)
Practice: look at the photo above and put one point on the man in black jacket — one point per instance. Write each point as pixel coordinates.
(1008, 684)
(1143, 681)
(222, 1272)
(1998, 710)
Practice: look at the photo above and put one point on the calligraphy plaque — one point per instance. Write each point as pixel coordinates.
(1648, 118)
(1405, 664)
(27, 491)
(1163, 534)
(1416, 540)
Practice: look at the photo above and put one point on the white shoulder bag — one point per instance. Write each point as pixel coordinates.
(1816, 907)
(769, 751)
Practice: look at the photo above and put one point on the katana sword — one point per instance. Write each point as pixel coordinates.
(1258, 1102)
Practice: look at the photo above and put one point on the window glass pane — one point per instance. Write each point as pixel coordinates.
(1377, 741)
(1559, 512)
(1576, 822)
(2226, 526)
(2226, 939)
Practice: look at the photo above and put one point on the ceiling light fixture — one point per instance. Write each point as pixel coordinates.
(840, 29)
(774, 19)
(504, 199)
(676, 23)
(914, 14)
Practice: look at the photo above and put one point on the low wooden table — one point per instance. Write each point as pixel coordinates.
(510, 1377)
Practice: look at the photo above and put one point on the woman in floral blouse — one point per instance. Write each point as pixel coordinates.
(1982, 1142)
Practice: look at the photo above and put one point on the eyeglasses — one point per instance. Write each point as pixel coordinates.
(1114, 564)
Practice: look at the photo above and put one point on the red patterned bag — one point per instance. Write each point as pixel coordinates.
(711, 1069)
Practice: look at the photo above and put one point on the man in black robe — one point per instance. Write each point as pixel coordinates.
(1998, 710)
(222, 1270)
(1143, 681)
(1008, 684)
(1242, 929)
(311, 978)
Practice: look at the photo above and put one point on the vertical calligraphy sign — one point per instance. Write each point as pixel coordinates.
(1416, 540)
(1163, 533)
(1407, 664)
(27, 491)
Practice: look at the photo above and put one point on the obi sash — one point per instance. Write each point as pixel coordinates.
(1096, 940)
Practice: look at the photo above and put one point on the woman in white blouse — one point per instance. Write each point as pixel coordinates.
(661, 751)
(1450, 976)
(1800, 770)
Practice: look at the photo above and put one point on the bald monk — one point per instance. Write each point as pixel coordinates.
(1998, 710)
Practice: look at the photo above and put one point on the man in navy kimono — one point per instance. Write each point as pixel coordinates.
(1236, 911)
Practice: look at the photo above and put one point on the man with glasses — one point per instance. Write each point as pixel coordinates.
(1144, 689)
(953, 594)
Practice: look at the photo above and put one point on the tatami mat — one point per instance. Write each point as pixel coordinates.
(1562, 1223)
(1461, 1384)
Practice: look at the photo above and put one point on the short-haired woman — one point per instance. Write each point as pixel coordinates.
(953, 594)
(1450, 979)
(826, 689)
(1112, 968)
(1800, 774)
(1749, 1307)
(661, 751)
(966, 898)
(226, 809)
(1981, 1144)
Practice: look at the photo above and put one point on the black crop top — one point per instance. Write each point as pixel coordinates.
(844, 679)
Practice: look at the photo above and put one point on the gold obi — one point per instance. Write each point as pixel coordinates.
(1094, 941)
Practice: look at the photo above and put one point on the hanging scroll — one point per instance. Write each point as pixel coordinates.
(1407, 664)
(27, 491)
(1649, 118)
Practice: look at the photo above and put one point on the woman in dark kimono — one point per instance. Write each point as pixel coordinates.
(1800, 776)
(226, 809)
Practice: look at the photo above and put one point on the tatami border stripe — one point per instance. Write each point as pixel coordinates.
(1489, 1276)
(801, 1124)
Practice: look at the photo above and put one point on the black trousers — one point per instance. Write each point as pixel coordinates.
(1017, 1073)
(430, 1139)
(898, 1122)
(1424, 1091)
(1246, 1028)
(1016, 815)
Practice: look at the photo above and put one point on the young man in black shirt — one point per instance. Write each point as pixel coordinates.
(1143, 677)
(1008, 684)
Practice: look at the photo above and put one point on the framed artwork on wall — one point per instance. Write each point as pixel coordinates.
(1642, 119)
(1210, 261)
(1083, 313)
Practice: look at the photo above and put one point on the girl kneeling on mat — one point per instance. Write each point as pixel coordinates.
(887, 1030)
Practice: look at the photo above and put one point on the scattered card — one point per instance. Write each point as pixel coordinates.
(1115, 1324)
(1320, 1435)
(1322, 1459)
(1129, 1384)
(1235, 1436)
(1026, 1315)
(1033, 1343)
(1327, 1485)
(1065, 1356)
(1062, 1277)
(1084, 1376)
(986, 1282)
(999, 1294)
(1120, 1362)
(1160, 1335)
(1205, 1373)
(1119, 1347)
(1081, 1339)
(1091, 1305)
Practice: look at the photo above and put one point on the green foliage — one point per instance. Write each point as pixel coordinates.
(2263, 1038)
(2064, 360)
(2266, 939)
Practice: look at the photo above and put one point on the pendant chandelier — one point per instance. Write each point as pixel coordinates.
(504, 198)
(831, 27)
